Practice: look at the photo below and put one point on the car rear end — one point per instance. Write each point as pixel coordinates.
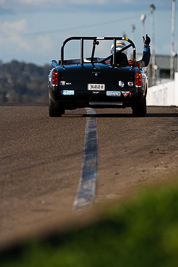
(97, 85)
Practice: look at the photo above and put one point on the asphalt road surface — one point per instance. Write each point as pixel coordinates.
(42, 160)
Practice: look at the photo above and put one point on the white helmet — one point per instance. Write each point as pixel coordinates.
(119, 46)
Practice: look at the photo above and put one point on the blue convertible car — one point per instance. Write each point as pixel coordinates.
(99, 82)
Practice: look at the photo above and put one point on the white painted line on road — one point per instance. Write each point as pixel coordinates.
(87, 184)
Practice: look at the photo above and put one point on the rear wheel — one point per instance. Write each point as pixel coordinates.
(139, 110)
(54, 109)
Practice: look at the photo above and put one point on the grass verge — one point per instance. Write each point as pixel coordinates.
(142, 232)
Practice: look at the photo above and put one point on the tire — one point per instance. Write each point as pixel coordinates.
(54, 109)
(140, 109)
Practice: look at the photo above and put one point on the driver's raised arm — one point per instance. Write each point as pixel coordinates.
(146, 54)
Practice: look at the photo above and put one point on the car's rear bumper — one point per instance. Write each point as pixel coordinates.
(77, 99)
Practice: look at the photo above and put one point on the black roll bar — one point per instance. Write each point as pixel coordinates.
(96, 42)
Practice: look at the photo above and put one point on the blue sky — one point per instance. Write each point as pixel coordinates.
(33, 30)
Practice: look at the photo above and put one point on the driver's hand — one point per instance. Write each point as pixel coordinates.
(146, 40)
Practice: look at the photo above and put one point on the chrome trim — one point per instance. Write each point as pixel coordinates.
(105, 103)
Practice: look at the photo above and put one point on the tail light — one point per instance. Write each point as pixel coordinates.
(138, 78)
(55, 77)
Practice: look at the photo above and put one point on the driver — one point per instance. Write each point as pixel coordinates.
(121, 58)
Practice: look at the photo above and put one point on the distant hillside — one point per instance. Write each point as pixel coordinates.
(23, 83)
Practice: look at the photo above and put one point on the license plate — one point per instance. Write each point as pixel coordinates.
(96, 87)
